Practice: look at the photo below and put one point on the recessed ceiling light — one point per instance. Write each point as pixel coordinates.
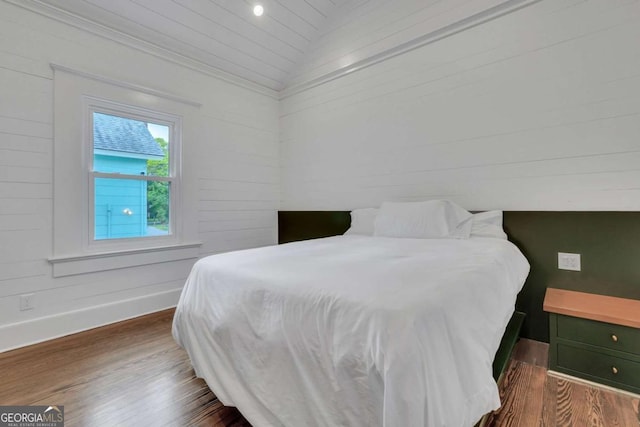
(258, 10)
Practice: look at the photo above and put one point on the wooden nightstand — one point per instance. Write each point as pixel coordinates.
(595, 337)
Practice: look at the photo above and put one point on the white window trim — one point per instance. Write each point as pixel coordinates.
(95, 105)
(73, 252)
(81, 264)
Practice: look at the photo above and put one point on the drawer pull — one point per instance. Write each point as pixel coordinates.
(614, 370)
(614, 338)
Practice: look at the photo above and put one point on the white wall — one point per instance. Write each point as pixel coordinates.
(538, 109)
(357, 31)
(236, 163)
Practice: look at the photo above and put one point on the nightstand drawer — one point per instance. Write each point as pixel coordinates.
(605, 367)
(614, 337)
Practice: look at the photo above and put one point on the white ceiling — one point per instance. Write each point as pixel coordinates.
(223, 34)
(295, 43)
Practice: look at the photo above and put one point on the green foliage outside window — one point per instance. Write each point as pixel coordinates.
(158, 192)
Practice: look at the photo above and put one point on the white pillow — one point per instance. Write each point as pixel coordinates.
(433, 219)
(362, 221)
(488, 224)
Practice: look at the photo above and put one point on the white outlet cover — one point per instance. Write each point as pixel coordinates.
(27, 302)
(569, 261)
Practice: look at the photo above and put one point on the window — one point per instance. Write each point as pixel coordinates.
(133, 173)
(121, 198)
(132, 177)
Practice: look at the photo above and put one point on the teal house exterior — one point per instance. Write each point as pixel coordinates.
(124, 146)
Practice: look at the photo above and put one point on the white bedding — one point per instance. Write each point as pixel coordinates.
(353, 330)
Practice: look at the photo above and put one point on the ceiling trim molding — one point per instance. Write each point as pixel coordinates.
(122, 38)
(479, 18)
(125, 85)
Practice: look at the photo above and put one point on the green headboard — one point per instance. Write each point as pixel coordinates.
(609, 244)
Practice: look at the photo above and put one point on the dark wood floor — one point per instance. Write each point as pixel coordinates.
(531, 397)
(128, 374)
(133, 374)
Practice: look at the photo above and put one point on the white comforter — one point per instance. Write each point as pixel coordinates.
(353, 330)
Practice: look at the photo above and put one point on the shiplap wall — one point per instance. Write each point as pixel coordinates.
(358, 30)
(236, 159)
(535, 110)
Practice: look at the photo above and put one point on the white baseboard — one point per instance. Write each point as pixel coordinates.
(29, 332)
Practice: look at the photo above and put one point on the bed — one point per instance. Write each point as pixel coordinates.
(354, 330)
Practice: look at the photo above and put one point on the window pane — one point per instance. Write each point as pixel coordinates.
(127, 208)
(158, 197)
(127, 146)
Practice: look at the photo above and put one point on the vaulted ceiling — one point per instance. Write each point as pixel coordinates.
(223, 34)
(295, 42)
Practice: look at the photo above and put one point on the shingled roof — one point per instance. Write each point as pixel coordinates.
(125, 135)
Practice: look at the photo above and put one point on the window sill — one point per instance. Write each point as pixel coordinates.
(91, 263)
